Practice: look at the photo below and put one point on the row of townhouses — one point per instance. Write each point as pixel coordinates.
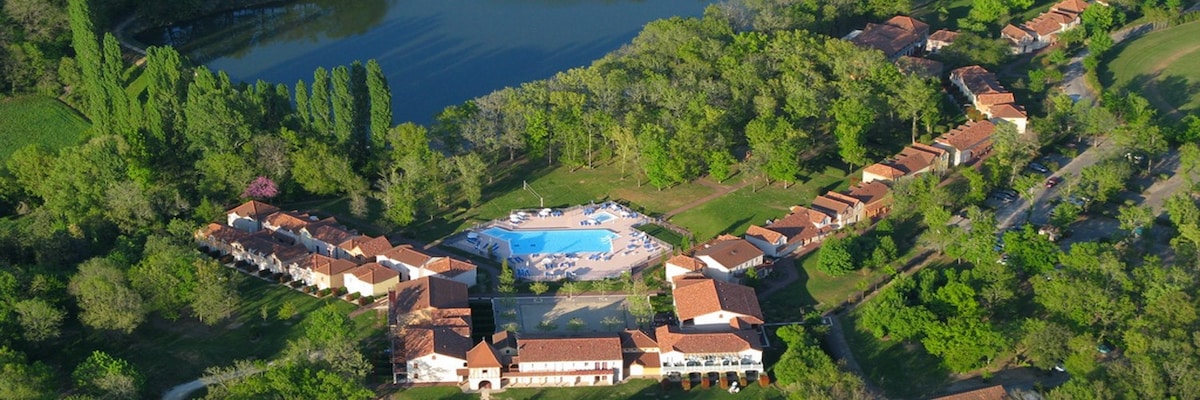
(719, 333)
(322, 252)
(1043, 30)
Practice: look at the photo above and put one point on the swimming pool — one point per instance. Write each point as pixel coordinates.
(523, 242)
(603, 217)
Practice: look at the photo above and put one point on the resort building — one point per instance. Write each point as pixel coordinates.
(915, 159)
(967, 142)
(682, 265)
(370, 279)
(940, 39)
(980, 87)
(431, 323)
(248, 216)
(683, 353)
(320, 271)
(843, 209)
(714, 305)
(219, 238)
(483, 367)
(875, 196)
(286, 223)
(640, 353)
(363, 248)
(576, 361)
(414, 264)
(323, 237)
(803, 226)
(727, 257)
(1043, 30)
(898, 36)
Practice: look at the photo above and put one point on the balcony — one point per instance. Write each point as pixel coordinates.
(712, 367)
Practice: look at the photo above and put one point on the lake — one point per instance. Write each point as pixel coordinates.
(436, 53)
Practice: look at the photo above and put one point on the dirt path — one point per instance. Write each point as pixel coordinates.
(1153, 95)
(721, 191)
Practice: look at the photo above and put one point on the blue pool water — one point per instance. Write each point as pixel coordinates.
(524, 242)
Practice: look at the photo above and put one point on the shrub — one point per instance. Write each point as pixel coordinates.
(297, 284)
(742, 382)
(323, 292)
(284, 278)
(353, 296)
(705, 383)
(277, 277)
(686, 383)
(764, 380)
(362, 301)
(339, 291)
(724, 383)
(264, 273)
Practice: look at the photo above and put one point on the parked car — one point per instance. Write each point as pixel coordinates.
(1039, 168)
(1053, 181)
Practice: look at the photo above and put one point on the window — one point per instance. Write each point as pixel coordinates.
(485, 371)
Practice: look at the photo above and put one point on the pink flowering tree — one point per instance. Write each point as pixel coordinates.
(261, 188)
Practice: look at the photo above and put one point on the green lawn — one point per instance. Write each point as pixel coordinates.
(169, 353)
(633, 389)
(34, 119)
(559, 187)
(1137, 66)
(666, 235)
(901, 370)
(754, 204)
(814, 290)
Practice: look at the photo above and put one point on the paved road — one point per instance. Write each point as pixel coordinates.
(1018, 213)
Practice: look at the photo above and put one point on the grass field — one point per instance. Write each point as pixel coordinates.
(814, 290)
(901, 370)
(33, 119)
(734, 212)
(169, 353)
(632, 389)
(1162, 67)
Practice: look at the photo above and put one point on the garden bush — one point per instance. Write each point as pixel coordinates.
(687, 383)
(323, 292)
(339, 291)
(353, 296)
(764, 380)
(362, 301)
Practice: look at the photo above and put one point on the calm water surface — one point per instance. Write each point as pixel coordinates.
(435, 53)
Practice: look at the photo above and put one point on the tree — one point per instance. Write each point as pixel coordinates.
(1045, 342)
(915, 97)
(105, 298)
(471, 169)
(319, 102)
(834, 257)
(1133, 218)
(570, 288)
(39, 320)
(327, 326)
(963, 343)
(547, 326)
(805, 371)
(344, 113)
(287, 310)
(538, 288)
(1104, 179)
(20, 380)
(970, 49)
(719, 163)
(381, 103)
(507, 277)
(576, 324)
(216, 295)
(984, 14)
(303, 109)
(261, 188)
(88, 57)
(852, 118)
(108, 377)
(166, 277)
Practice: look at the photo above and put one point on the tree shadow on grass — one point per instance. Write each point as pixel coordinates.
(791, 302)
(1165, 92)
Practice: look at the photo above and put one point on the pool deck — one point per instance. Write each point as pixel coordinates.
(630, 248)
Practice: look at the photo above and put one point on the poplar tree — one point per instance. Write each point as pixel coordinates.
(343, 108)
(362, 100)
(164, 93)
(302, 102)
(381, 104)
(123, 119)
(87, 56)
(319, 102)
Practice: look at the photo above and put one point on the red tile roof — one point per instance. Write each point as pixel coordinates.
(429, 292)
(408, 255)
(374, 273)
(449, 267)
(909, 23)
(686, 262)
(869, 193)
(763, 234)
(1074, 6)
(886, 38)
(835, 205)
(979, 82)
(968, 135)
(944, 35)
(599, 348)
(420, 341)
(323, 265)
(253, 209)
(698, 342)
(636, 339)
(483, 355)
(1015, 33)
(710, 296)
(328, 231)
(222, 233)
(730, 253)
(291, 221)
(367, 245)
(1007, 110)
(884, 170)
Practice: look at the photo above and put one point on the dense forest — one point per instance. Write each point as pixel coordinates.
(96, 237)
